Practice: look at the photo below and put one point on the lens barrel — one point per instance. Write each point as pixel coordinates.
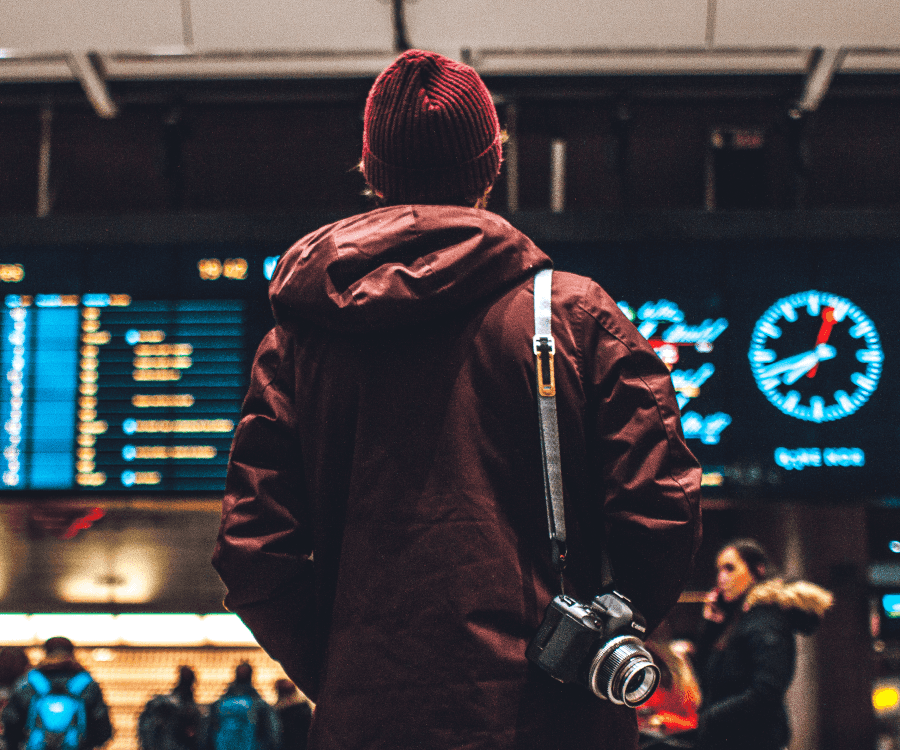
(623, 672)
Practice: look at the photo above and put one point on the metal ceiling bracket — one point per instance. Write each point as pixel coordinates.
(85, 70)
(826, 62)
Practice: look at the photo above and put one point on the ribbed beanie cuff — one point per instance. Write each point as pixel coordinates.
(431, 132)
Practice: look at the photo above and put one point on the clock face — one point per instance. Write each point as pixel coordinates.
(816, 356)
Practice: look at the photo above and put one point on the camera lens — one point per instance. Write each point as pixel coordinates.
(623, 672)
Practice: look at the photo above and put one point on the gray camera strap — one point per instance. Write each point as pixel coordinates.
(544, 351)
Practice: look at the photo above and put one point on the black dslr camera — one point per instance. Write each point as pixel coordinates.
(598, 645)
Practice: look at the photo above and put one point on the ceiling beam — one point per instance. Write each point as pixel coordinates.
(84, 69)
(826, 63)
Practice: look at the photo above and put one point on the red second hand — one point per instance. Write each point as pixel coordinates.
(824, 333)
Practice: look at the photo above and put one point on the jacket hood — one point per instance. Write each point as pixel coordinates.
(398, 265)
(805, 601)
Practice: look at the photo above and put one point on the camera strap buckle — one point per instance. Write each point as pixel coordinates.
(544, 350)
(544, 347)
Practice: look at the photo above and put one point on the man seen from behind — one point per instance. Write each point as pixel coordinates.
(384, 530)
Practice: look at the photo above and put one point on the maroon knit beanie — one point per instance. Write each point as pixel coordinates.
(431, 133)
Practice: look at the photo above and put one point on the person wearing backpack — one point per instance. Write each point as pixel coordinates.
(57, 705)
(172, 721)
(241, 719)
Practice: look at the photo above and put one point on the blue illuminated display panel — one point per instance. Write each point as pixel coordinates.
(783, 357)
(125, 367)
(104, 392)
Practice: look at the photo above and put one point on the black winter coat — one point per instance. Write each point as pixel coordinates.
(746, 665)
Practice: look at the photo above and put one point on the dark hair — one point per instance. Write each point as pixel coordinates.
(471, 201)
(186, 680)
(243, 672)
(59, 644)
(14, 662)
(754, 556)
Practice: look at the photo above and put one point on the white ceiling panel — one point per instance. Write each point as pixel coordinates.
(842, 23)
(37, 26)
(447, 26)
(286, 25)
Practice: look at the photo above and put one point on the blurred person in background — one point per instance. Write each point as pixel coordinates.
(747, 653)
(384, 531)
(57, 705)
(241, 719)
(668, 718)
(295, 714)
(172, 721)
(14, 663)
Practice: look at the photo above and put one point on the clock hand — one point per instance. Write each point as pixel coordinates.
(824, 332)
(806, 359)
(799, 364)
(822, 351)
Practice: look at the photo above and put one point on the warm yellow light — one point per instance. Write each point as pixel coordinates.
(106, 629)
(151, 350)
(885, 698)
(161, 363)
(130, 574)
(90, 351)
(147, 477)
(183, 425)
(174, 451)
(210, 268)
(150, 337)
(119, 300)
(91, 313)
(96, 337)
(87, 415)
(12, 272)
(91, 480)
(88, 376)
(90, 325)
(83, 629)
(712, 479)
(16, 629)
(87, 453)
(87, 441)
(86, 467)
(88, 363)
(87, 402)
(235, 268)
(88, 389)
(147, 375)
(180, 399)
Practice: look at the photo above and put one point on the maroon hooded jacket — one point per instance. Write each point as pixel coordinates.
(384, 530)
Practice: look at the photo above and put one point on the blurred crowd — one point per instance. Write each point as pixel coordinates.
(57, 705)
(724, 688)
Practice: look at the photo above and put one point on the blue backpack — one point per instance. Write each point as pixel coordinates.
(237, 723)
(56, 721)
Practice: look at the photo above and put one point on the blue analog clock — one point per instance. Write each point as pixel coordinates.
(816, 356)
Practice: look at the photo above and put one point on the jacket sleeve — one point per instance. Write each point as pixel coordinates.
(263, 550)
(99, 728)
(651, 480)
(769, 651)
(15, 713)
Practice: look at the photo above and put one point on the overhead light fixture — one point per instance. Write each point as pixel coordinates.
(144, 629)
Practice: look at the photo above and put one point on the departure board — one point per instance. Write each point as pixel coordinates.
(102, 391)
(125, 366)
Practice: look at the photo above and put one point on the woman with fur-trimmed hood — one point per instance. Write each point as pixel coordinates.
(747, 654)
